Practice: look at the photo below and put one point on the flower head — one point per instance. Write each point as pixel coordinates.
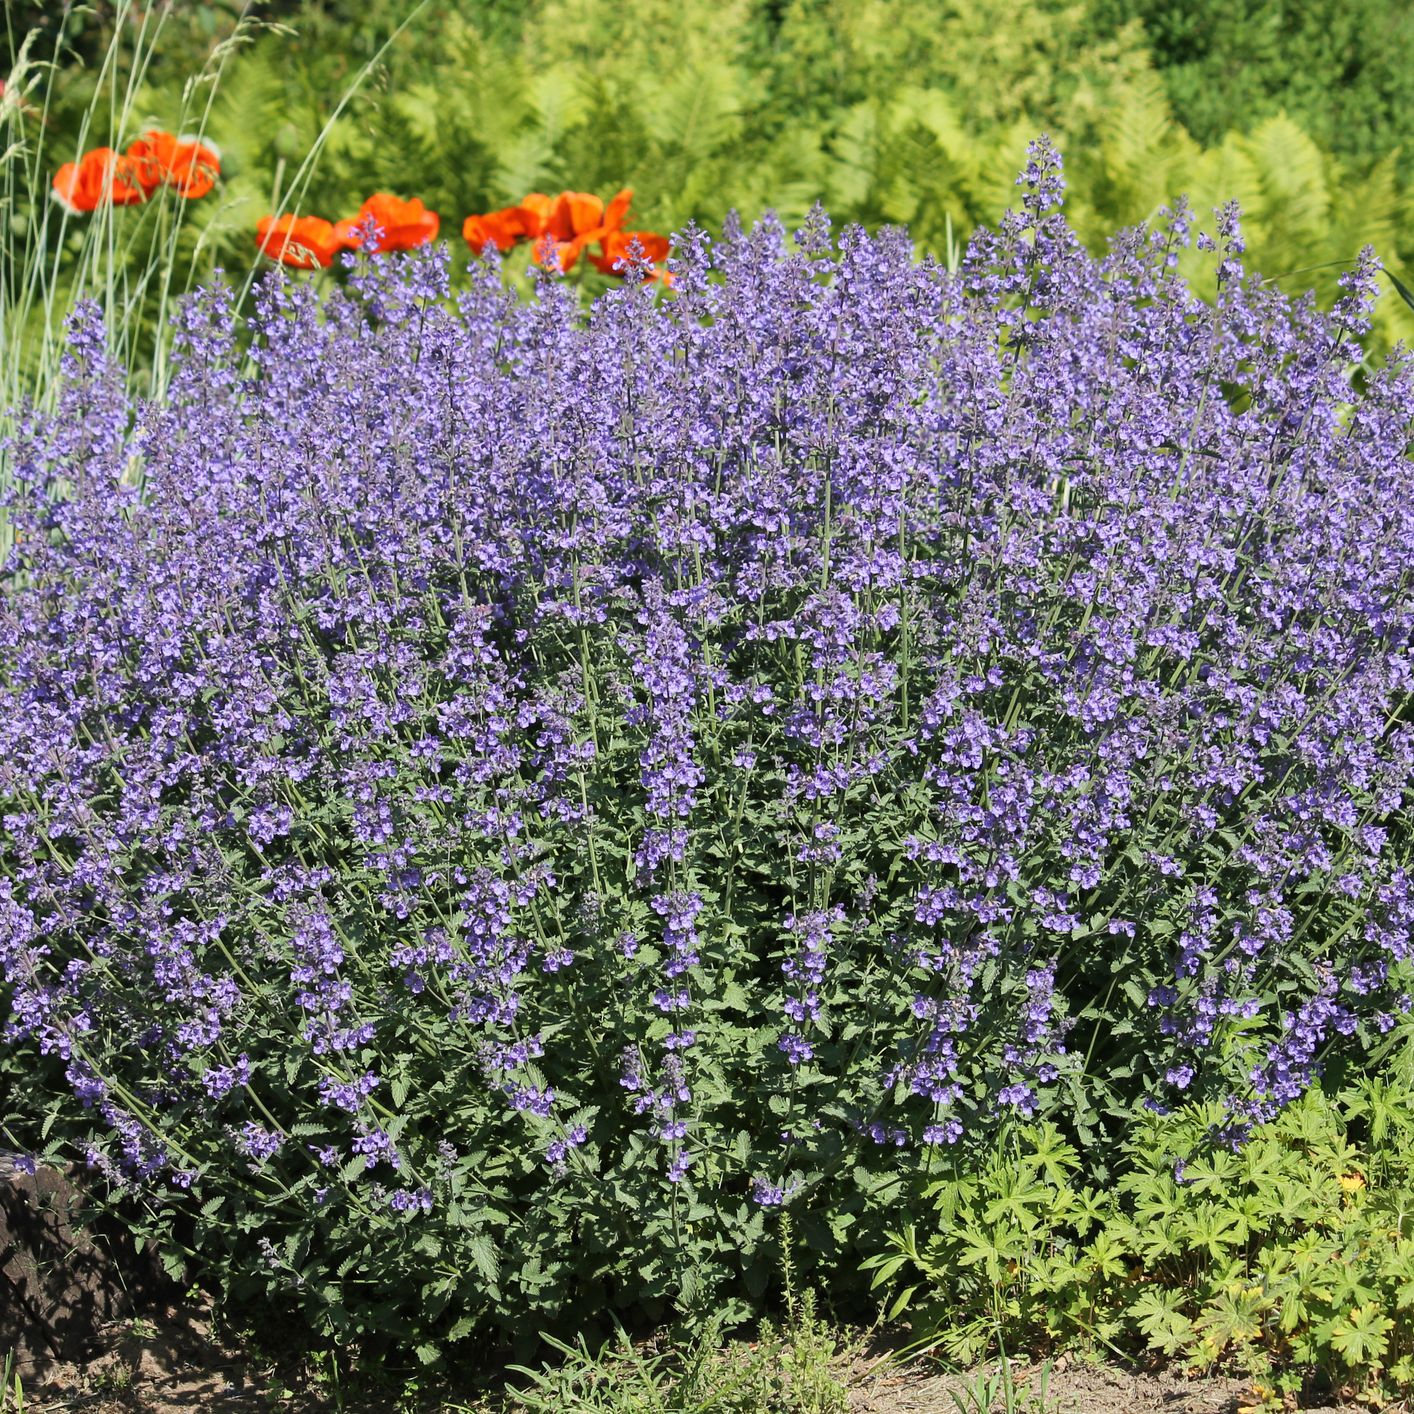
(100, 177)
(503, 228)
(305, 242)
(187, 164)
(578, 219)
(616, 250)
(399, 224)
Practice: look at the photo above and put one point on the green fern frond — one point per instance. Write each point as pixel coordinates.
(1000, 156)
(1139, 151)
(855, 155)
(1292, 173)
(695, 112)
(525, 162)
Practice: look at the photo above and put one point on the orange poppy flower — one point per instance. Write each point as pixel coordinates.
(404, 224)
(186, 164)
(149, 155)
(195, 167)
(306, 242)
(576, 220)
(614, 247)
(98, 177)
(617, 209)
(502, 228)
(540, 206)
(575, 213)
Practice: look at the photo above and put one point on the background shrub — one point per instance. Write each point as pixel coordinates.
(1335, 68)
(496, 803)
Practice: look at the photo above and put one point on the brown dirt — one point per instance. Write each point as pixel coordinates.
(1070, 1389)
(174, 1365)
(62, 1275)
(162, 1363)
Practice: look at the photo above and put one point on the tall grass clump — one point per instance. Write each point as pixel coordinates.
(134, 262)
(518, 797)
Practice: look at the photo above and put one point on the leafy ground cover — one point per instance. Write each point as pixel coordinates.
(174, 1362)
(173, 1365)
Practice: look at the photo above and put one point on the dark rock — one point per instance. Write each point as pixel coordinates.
(63, 1273)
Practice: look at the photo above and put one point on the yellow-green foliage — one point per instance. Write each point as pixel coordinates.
(1290, 1257)
(886, 110)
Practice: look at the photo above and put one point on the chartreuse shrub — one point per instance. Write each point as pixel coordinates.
(887, 110)
(1290, 1258)
(499, 802)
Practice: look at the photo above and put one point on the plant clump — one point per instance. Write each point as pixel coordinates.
(499, 802)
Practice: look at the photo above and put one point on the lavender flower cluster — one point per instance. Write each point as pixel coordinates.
(497, 798)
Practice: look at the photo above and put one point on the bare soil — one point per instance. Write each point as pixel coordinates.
(166, 1362)
(171, 1363)
(1070, 1389)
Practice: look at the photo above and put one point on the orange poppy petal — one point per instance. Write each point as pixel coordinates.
(98, 177)
(404, 224)
(540, 208)
(209, 148)
(194, 168)
(497, 228)
(610, 252)
(575, 213)
(477, 233)
(556, 255)
(151, 156)
(124, 189)
(655, 247)
(189, 164)
(304, 242)
(524, 220)
(67, 189)
(617, 208)
(615, 247)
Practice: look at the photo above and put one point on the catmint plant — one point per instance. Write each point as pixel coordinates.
(497, 801)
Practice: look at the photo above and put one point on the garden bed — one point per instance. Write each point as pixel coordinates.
(170, 1361)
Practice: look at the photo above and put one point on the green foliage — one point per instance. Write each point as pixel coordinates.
(621, 1378)
(1000, 1389)
(805, 1347)
(12, 1390)
(787, 1370)
(1339, 68)
(136, 262)
(100, 78)
(889, 111)
(1290, 1258)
